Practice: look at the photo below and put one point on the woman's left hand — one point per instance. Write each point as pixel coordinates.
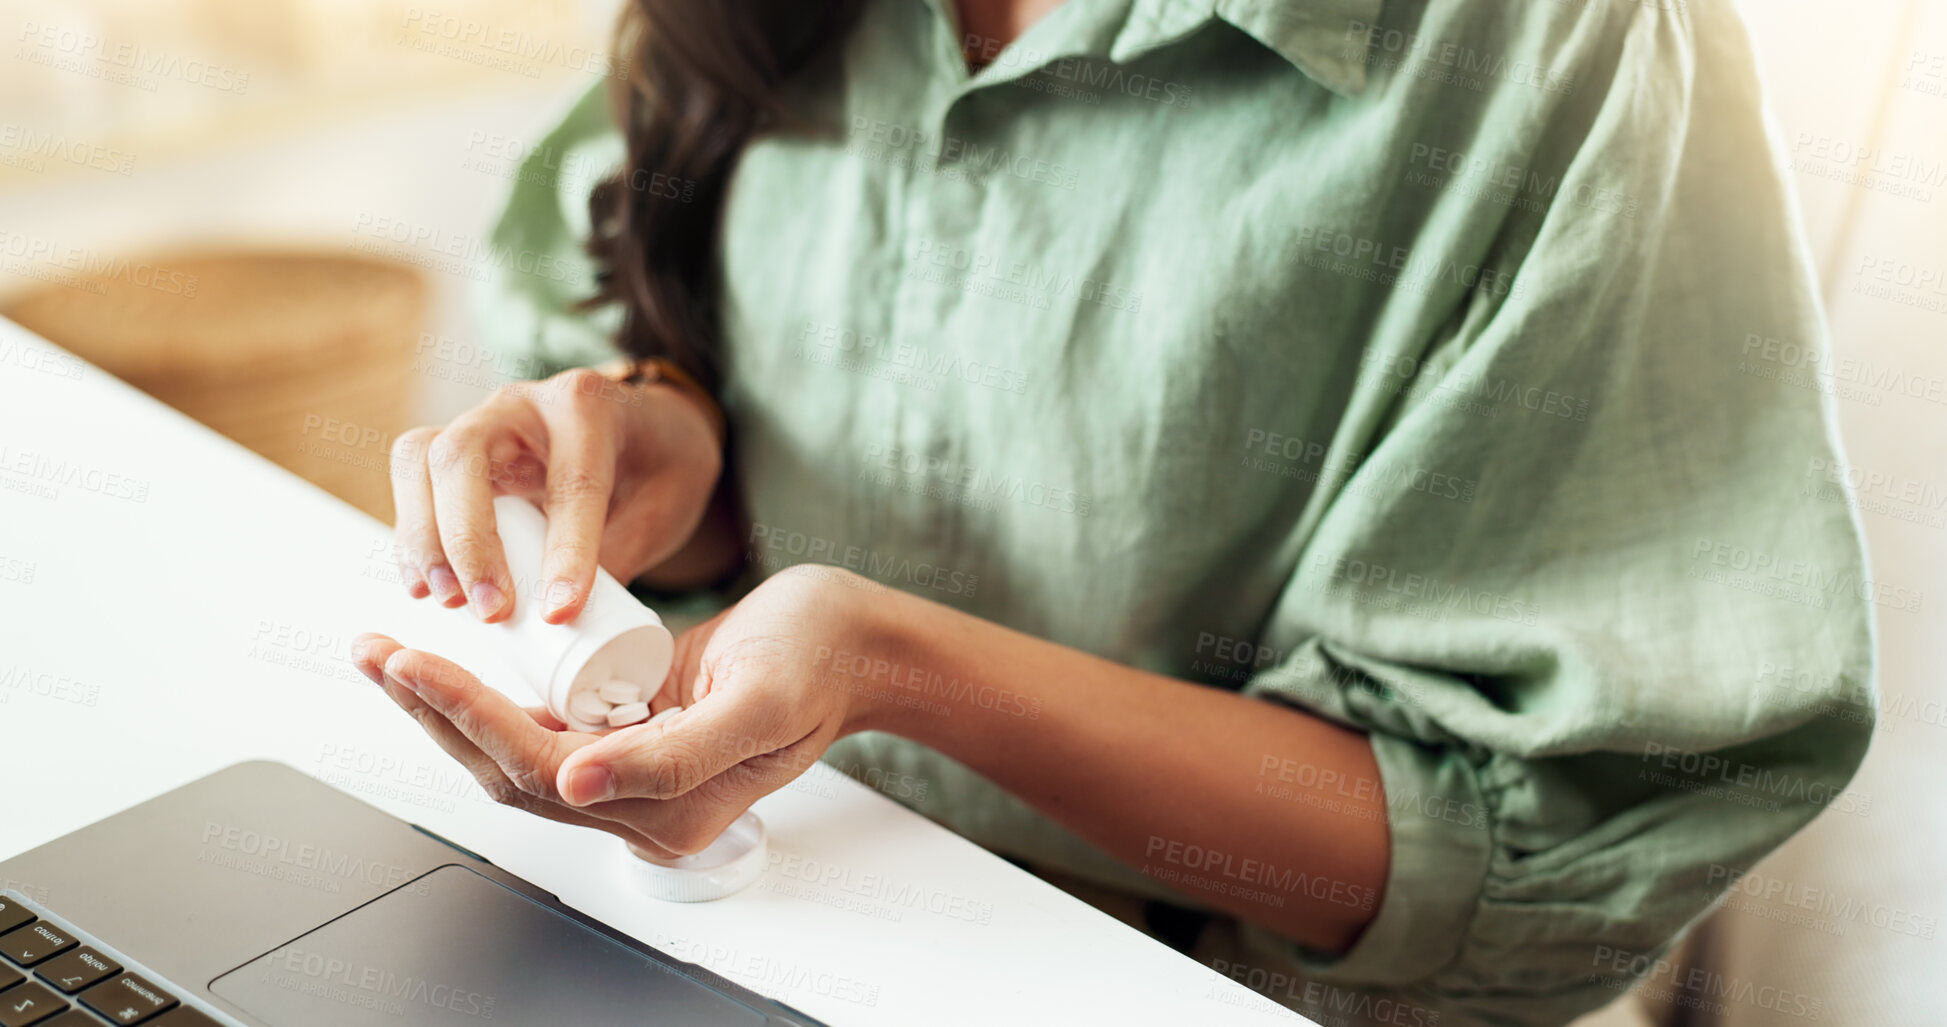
(762, 701)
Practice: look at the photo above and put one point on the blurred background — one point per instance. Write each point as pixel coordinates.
(231, 203)
(203, 194)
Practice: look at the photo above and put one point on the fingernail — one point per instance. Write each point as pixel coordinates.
(406, 683)
(416, 585)
(592, 783)
(560, 593)
(444, 583)
(486, 599)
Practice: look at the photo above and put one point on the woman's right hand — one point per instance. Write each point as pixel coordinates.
(625, 474)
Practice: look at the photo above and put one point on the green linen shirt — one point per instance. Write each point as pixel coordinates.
(1449, 370)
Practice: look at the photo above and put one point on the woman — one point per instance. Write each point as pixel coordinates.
(1310, 467)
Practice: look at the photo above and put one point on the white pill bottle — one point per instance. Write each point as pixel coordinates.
(613, 639)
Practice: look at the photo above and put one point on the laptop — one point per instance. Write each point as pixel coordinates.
(259, 896)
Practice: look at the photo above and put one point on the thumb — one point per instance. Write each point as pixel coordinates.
(677, 754)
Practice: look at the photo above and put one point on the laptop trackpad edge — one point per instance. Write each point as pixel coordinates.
(455, 948)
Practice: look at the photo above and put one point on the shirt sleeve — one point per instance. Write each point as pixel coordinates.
(540, 270)
(1609, 645)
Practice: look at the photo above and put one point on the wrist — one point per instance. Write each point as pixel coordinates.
(708, 419)
(877, 660)
(657, 373)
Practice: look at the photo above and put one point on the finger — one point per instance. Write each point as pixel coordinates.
(369, 653)
(485, 770)
(461, 460)
(675, 755)
(528, 753)
(689, 823)
(413, 532)
(580, 482)
(499, 787)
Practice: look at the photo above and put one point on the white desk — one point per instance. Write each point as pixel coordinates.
(171, 604)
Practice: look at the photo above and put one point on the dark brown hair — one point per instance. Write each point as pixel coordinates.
(703, 77)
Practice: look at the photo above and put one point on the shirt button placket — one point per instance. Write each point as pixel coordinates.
(939, 223)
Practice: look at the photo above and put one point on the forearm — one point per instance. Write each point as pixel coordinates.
(1193, 785)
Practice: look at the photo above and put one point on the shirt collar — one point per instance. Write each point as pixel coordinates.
(1328, 40)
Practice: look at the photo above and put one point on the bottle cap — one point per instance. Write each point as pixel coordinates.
(727, 866)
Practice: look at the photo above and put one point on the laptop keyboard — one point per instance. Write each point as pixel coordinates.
(50, 976)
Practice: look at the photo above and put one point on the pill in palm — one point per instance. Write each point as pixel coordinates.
(589, 708)
(621, 693)
(628, 713)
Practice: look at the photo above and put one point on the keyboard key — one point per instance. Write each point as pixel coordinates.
(29, 1003)
(127, 999)
(37, 941)
(71, 1018)
(183, 1016)
(77, 969)
(10, 977)
(13, 914)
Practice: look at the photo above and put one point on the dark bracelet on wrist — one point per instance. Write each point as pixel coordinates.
(660, 371)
